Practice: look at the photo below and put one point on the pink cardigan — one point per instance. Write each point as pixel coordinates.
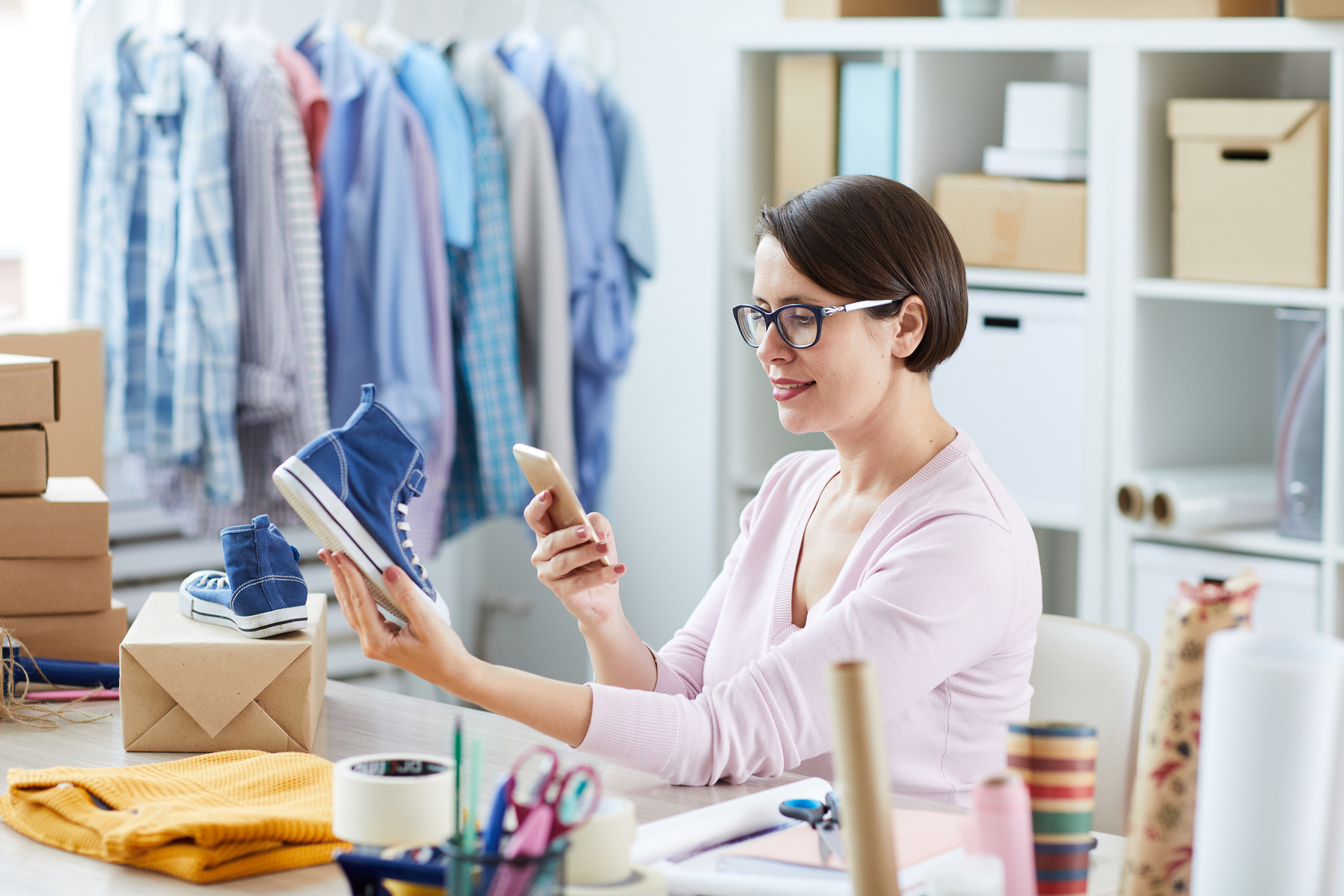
(942, 590)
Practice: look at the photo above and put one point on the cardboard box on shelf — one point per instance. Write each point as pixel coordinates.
(1012, 223)
(1314, 9)
(48, 586)
(23, 460)
(29, 390)
(87, 637)
(1185, 9)
(807, 107)
(189, 686)
(69, 519)
(76, 442)
(832, 9)
(1249, 190)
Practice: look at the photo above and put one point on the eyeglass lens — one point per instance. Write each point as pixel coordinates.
(797, 324)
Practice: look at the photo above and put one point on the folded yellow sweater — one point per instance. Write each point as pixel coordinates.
(208, 818)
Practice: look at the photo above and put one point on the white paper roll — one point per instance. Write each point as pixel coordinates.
(1133, 496)
(1196, 498)
(1268, 761)
(967, 875)
(389, 798)
(712, 825)
(599, 851)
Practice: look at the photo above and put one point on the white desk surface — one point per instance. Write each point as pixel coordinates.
(357, 720)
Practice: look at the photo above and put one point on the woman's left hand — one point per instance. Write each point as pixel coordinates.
(426, 646)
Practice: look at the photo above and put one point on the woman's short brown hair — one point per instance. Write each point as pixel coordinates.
(866, 237)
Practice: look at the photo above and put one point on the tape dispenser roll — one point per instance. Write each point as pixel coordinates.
(641, 881)
(599, 850)
(389, 798)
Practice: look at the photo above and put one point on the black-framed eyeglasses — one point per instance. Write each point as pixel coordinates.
(798, 324)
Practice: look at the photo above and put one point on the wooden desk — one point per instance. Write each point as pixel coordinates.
(357, 720)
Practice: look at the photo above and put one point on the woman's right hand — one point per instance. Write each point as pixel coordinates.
(568, 561)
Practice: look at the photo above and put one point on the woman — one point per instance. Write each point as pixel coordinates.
(899, 545)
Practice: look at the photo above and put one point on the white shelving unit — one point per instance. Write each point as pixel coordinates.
(1176, 372)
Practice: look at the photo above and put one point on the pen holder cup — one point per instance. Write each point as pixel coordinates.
(479, 874)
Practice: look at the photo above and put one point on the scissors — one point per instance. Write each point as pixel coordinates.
(824, 819)
(547, 806)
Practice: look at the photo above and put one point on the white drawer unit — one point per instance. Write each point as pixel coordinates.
(1016, 385)
(1288, 599)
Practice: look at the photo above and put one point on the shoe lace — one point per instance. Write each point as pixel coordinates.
(405, 526)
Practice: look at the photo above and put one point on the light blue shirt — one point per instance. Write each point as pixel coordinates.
(373, 264)
(600, 299)
(634, 211)
(427, 79)
(156, 266)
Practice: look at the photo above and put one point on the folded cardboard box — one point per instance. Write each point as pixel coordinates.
(29, 390)
(23, 460)
(1249, 190)
(190, 687)
(54, 585)
(1185, 9)
(88, 637)
(1012, 223)
(76, 441)
(69, 519)
(1314, 9)
(831, 9)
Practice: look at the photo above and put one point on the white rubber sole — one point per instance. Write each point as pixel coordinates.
(261, 625)
(338, 530)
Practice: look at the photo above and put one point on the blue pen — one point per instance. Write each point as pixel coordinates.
(494, 828)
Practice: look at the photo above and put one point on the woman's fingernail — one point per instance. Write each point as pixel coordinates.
(603, 547)
(544, 497)
(581, 532)
(393, 573)
(619, 569)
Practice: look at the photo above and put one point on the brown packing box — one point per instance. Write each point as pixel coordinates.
(23, 460)
(1192, 9)
(87, 637)
(831, 9)
(69, 519)
(192, 687)
(1314, 9)
(1008, 222)
(76, 442)
(807, 109)
(50, 585)
(29, 390)
(1248, 190)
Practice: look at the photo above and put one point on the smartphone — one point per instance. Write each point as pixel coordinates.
(543, 472)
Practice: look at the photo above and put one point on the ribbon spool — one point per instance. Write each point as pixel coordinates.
(641, 881)
(390, 798)
(599, 850)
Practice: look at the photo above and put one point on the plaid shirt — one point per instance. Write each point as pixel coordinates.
(490, 415)
(156, 259)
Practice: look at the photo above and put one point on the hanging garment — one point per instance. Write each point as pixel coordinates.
(634, 211)
(426, 512)
(426, 79)
(156, 259)
(273, 203)
(373, 250)
(314, 109)
(540, 263)
(600, 304)
(490, 417)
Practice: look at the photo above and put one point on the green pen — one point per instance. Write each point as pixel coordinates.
(457, 781)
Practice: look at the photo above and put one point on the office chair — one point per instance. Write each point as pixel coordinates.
(1095, 674)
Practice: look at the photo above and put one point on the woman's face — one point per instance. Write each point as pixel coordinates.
(839, 384)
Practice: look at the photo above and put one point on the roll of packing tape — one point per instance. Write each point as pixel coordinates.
(599, 850)
(641, 881)
(391, 798)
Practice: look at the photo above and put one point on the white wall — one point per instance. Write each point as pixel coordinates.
(673, 71)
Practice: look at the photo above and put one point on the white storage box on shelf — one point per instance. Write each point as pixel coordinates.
(1047, 116)
(1016, 386)
(1288, 598)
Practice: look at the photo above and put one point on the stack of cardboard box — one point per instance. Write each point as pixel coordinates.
(55, 567)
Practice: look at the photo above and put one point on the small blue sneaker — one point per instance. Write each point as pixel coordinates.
(352, 485)
(261, 592)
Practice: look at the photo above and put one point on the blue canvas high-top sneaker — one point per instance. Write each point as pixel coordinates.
(352, 485)
(261, 591)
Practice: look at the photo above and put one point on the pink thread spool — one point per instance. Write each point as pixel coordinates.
(1001, 826)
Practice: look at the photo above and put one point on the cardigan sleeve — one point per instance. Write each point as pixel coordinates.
(928, 607)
